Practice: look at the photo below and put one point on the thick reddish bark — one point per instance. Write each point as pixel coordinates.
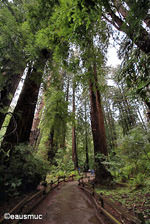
(6, 95)
(19, 131)
(98, 129)
(24, 110)
(36, 120)
(35, 132)
(74, 146)
(96, 108)
(100, 117)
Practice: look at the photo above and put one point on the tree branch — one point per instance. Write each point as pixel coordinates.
(111, 22)
(142, 39)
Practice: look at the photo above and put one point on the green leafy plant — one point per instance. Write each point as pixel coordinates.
(138, 181)
(23, 172)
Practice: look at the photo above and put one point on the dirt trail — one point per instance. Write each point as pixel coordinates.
(66, 205)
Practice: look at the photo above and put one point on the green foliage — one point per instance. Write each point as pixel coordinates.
(138, 181)
(134, 72)
(135, 145)
(21, 172)
(130, 161)
(12, 57)
(64, 163)
(55, 117)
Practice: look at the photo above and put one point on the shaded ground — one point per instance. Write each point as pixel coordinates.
(7, 205)
(66, 205)
(135, 200)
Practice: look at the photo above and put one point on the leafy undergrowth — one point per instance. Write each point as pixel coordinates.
(136, 199)
(54, 176)
(21, 172)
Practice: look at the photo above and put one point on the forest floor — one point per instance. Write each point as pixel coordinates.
(136, 200)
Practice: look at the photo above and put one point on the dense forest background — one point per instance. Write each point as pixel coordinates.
(69, 114)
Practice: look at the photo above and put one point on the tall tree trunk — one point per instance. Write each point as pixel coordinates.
(6, 95)
(148, 110)
(74, 145)
(102, 135)
(98, 129)
(86, 139)
(24, 110)
(35, 131)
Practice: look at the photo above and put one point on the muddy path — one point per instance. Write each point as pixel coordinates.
(66, 205)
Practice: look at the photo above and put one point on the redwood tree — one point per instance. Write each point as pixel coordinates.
(98, 129)
(35, 131)
(18, 130)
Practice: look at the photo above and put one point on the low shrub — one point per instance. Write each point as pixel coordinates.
(21, 172)
(138, 181)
